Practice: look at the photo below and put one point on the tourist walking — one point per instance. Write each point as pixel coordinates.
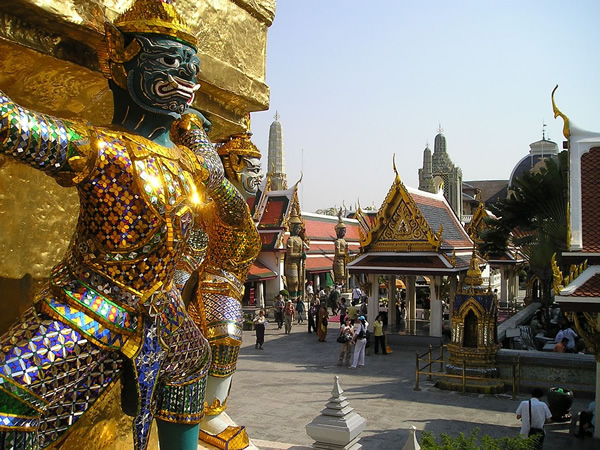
(334, 296)
(259, 326)
(279, 304)
(288, 316)
(310, 292)
(300, 310)
(345, 340)
(356, 295)
(322, 322)
(343, 310)
(312, 312)
(352, 312)
(534, 414)
(359, 341)
(379, 335)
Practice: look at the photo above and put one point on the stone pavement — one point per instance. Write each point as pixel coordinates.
(279, 390)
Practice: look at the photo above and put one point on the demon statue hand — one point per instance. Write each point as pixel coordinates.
(214, 269)
(340, 258)
(110, 309)
(294, 257)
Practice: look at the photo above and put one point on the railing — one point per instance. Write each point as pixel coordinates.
(430, 361)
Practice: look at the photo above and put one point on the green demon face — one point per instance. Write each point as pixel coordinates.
(162, 77)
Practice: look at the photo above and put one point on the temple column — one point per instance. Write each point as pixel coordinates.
(260, 294)
(373, 300)
(435, 311)
(453, 285)
(515, 285)
(411, 302)
(391, 317)
(504, 286)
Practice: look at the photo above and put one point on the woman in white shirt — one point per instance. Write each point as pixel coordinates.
(359, 341)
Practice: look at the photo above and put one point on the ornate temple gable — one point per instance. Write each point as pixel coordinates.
(399, 225)
(477, 223)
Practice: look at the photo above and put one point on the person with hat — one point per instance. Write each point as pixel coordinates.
(288, 316)
(310, 291)
(360, 341)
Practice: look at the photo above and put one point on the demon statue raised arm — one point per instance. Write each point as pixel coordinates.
(110, 309)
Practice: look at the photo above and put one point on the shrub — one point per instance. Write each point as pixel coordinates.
(462, 442)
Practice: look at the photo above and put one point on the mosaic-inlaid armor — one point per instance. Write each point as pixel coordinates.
(111, 300)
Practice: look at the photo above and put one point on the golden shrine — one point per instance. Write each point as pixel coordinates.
(474, 342)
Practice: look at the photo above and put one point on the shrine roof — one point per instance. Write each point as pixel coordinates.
(259, 271)
(437, 212)
(410, 263)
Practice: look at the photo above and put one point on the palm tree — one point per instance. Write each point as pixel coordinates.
(533, 218)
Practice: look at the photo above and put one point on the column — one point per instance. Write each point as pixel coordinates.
(504, 286)
(373, 300)
(391, 317)
(453, 286)
(260, 295)
(411, 303)
(435, 311)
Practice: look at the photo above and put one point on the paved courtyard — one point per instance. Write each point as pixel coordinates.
(279, 390)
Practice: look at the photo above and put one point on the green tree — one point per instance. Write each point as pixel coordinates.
(533, 218)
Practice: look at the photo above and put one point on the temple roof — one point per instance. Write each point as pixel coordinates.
(320, 233)
(491, 190)
(259, 271)
(583, 293)
(590, 201)
(413, 232)
(272, 211)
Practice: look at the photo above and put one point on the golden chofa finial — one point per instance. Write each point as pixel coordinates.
(557, 112)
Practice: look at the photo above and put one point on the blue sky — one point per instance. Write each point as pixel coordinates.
(355, 82)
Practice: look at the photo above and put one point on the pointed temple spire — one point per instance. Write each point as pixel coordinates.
(276, 160)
